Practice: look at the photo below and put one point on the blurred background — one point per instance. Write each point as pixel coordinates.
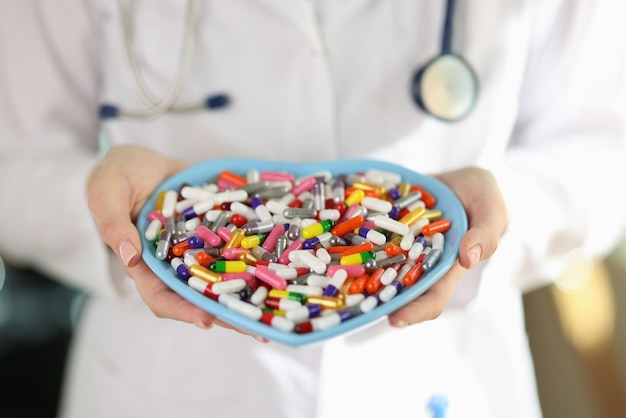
(576, 328)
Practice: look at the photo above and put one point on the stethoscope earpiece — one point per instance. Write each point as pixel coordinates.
(446, 87)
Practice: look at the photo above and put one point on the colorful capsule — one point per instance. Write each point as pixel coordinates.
(371, 235)
(358, 258)
(180, 267)
(277, 321)
(228, 266)
(317, 229)
(303, 313)
(277, 293)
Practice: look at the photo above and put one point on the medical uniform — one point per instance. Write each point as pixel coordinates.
(313, 80)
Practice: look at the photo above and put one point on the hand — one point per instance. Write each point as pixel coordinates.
(116, 190)
(488, 218)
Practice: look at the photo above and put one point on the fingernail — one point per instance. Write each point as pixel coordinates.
(399, 324)
(474, 255)
(202, 325)
(127, 251)
(259, 339)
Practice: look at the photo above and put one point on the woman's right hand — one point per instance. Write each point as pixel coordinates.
(117, 189)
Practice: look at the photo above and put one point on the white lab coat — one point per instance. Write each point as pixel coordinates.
(313, 80)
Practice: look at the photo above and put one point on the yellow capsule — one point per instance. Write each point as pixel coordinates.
(404, 188)
(228, 266)
(396, 239)
(357, 258)
(317, 229)
(355, 197)
(325, 301)
(369, 186)
(158, 206)
(235, 239)
(204, 273)
(412, 217)
(248, 258)
(433, 214)
(252, 241)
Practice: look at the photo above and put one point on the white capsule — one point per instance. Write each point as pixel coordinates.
(325, 322)
(275, 207)
(259, 295)
(152, 231)
(388, 292)
(169, 203)
(253, 176)
(388, 275)
(437, 241)
(332, 214)
(287, 273)
(244, 308)
(381, 177)
(390, 224)
(192, 224)
(375, 237)
(243, 210)
(181, 205)
(368, 304)
(196, 193)
(212, 215)
(238, 195)
(354, 299)
(317, 280)
(310, 260)
(338, 278)
(322, 254)
(228, 286)
(376, 205)
(282, 323)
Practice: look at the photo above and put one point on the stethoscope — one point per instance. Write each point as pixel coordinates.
(446, 87)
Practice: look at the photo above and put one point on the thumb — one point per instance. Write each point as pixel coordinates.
(110, 204)
(481, 239)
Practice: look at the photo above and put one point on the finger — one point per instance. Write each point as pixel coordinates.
(164, 302)
(239, 330)
(481, 239)
(109, 202)
(431, 303)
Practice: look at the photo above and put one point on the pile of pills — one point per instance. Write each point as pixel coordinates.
(298, 254)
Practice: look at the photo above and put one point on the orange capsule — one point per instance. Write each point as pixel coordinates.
(180, 248)
(393, 250)
(442, 225)
(366, 246)
(204, 259)
(373, 284)
(338, 249)
(428, 199)
(348, 225)
(413, 274)
(233, 178)
(358, 284)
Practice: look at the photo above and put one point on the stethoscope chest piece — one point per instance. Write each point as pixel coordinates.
(446, 87)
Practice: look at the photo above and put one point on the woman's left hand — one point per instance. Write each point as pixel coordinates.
(487, 217)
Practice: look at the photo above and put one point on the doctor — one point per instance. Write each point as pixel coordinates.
(530, 137)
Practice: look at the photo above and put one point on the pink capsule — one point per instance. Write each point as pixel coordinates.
(208, 236)
(277, 176)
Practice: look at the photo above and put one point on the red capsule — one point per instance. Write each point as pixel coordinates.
(238, 220)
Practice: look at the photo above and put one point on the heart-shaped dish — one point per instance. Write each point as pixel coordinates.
(446, 201)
